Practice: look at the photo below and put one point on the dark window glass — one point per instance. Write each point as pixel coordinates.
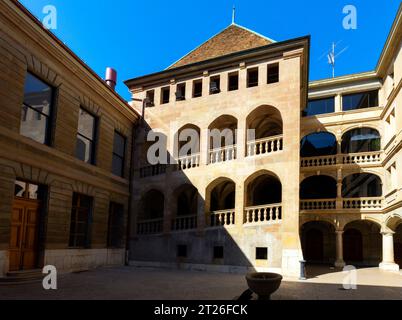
(318, 187)
(85, 149)
(80, 221)
(151, 98)
(320, 106)
(116, 229)
(182, 251)
(361, 140)
(273, 73)
(361, 185)
(36, 110)
(215, 85)
(261, 253)
(181, 92)
(197, 89)
(218, 252)
(252, 77)
(360, 100)
(318, 144)
(233, 81)
(119, 151)
(165, 95)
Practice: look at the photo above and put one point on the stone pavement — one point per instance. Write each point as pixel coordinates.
(130, 283)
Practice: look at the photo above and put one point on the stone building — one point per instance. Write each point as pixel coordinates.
(311, 170)
(65, 152)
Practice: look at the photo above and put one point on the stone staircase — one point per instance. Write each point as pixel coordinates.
(22, 277)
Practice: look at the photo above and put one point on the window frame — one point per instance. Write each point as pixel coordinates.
(121, 157)
(75, 209)
(112, 227)
(163, 90)
(232, 75)
(377, 91)
(257, 73)
(278, 78)
(197, 82)
(94, 140)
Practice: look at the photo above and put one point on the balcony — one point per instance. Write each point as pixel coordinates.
(221, 218)
(184, 223)
(189, 162)
(151, 171)
(270, 214)
(265, 146)
(318, 204)
(364, 158)
(374, 157)
(151, 226)
(343, 204)
(365, 204)
(222, 154)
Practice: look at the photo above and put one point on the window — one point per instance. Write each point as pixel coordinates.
(360, 100)
(85, 149)
(197, 89)
(252, 77)
(165, 95)
(181, 92)
(320, 106)
(273, 73)
(218, 252)
(119, 151)
(182, 251)
(261, 253)
(80, 221)
(116, 230)
(151, 98)
(233, 81)
(215, 85)
(36, 110)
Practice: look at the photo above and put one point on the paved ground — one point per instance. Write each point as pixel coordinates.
(143, 284)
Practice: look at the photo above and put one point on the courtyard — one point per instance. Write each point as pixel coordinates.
(129, 283)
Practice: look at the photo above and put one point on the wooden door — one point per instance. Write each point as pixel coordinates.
(24, 235)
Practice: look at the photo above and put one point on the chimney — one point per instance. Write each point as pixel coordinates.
(111, 78)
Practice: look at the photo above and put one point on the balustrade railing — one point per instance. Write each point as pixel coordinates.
(151, 171)
(184, 223)
(362, 158)
(223, 154)
(318, 161)
(318, 204)
(271, 213)
(265, 145)
(222, 218)
(374, 203)
(188, 162)
(153, 226)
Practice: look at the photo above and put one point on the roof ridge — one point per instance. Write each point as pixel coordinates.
(252, 31)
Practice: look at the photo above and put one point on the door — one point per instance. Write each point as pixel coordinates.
(314, 246)
(353, 245)
(24, 234)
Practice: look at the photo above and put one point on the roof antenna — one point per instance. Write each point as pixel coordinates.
(234, 15)
(332, 55)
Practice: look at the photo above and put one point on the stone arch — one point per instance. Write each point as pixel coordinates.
(223, 131)
(185, 200)
(220, 194)
(152, 205)
(362, 185)
(361, 139)
(266, 121)
(318, 144)
(193, 135)
(318, 187)
(257, 184)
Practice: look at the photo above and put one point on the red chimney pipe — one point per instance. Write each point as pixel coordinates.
(111, 77)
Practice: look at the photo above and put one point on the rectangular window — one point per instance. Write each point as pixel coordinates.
(182, 251)
(36, 110)
(119, 152)
(150, 98)
(320, 106)
(273, 73)
(181, 92)
(261, 253)
(165, 95)
(215, 85)
(86, 137)
(218, 252)
(80, 221)
(233, 81)
(116, 230)
(197, 89)
(252, 77)
(360, 100)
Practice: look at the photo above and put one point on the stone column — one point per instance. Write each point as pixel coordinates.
(201, 214)
(239, 204)
(388, 262)
(339, 263)
(338, 103)
(339, 201)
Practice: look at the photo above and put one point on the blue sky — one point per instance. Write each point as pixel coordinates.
(140, 37)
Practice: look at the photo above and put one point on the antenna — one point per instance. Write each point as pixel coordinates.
(234, 15)
(332, 55)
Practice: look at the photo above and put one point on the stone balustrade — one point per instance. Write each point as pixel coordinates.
(184, 223)
(152, 226)
(151, 171)
(271, 213)
(362, 158)
(221, 218)
(223, 154)
(318, 161)
(375, 203)
(188, 162)
(265, 146)
(318, 204)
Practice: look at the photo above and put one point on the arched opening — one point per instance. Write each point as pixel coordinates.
(398, 244)
(361, 140)
(187, 147)
(362, 243)
(222, 139)
(263, 190)
(264, 131)
(318, 242)
(186, 208)
(318, 187)
(361, 185)
(318, 144)
(220, 204)
(151, 210)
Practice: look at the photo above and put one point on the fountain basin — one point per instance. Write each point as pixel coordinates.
(264, 284)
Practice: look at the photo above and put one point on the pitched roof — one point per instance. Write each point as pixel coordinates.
(234, 38)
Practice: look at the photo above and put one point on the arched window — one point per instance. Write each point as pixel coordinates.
(263, 190)
(264, 122)
(318, 187)
(152, 205)
(361, 140)
(318, 144)
(222, 195)
(361, 185)
(187, 141)
(187, 198)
